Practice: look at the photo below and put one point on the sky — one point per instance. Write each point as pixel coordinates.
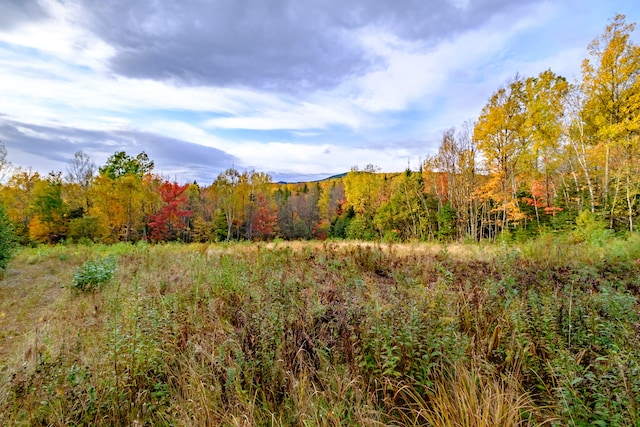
(299, 89)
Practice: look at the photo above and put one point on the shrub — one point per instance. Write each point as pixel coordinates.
(94, 274)
(590, 228)
(360, 228)
(85, 229)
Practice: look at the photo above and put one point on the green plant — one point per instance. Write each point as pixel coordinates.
(591, 229)
(93, 274)
(7, 239)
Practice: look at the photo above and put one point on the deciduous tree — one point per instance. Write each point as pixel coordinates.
(174, 213)
(611, 85)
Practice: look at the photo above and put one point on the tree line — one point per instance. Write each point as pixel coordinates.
(545, 154)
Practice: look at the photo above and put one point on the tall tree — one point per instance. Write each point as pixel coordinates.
(256, 196)
(225, 192)
(501, 136)
(121, 164)
(81, 170)
(581, 147)
(451, 176)
(123, 196)
(49, 221)
(545, 100)
(611, 86)
(174, 213)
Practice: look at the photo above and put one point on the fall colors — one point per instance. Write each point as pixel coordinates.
(540, 329)
(544, 155)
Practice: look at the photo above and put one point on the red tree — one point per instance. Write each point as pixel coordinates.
(265, 219)
(173, 215)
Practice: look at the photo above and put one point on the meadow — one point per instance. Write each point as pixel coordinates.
(330, 333)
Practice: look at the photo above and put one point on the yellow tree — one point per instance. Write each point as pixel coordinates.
(545, 101)
(49, 221)
(224, 191)
(501, 137)
(365, 191)
(611, 87)
(17, 195)
(123, 196)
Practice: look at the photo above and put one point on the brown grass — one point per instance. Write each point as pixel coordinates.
(308, 333)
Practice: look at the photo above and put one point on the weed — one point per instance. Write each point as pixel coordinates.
(94, 274)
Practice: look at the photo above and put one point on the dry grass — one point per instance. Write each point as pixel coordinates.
(30, 300)
(470, 395)
(313, 333)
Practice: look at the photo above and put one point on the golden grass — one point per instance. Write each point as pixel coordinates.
(470, 395)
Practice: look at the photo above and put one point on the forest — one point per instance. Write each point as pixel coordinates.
(544, 155)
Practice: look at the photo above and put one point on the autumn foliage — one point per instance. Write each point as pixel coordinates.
(173, 216)
(541, 152)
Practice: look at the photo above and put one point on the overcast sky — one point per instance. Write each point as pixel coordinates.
(300, 89)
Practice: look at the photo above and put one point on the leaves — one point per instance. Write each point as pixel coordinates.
(121, 164)
(93, 274)
(173, 215)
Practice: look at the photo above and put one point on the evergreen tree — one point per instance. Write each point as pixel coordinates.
(7, 239)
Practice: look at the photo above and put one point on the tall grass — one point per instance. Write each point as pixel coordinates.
(326, 334)
(467, 395)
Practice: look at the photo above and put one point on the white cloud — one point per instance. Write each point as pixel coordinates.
(309, 159)
(302, 116)
(422, 74)
(57, 35)
(187, 132)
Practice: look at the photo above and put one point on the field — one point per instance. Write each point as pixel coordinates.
(322, 333)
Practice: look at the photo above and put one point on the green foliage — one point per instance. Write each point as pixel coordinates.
(446, 218)
(589, 228)
(341, 223)
(94, 274)
(7, 239)
(121, 164)
(85, 229)
(360, 228)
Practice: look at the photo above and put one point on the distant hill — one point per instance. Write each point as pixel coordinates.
(341, 175)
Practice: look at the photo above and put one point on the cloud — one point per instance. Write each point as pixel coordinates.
(320, 160)
(50, 148)
(15, 12)
(281, 45)
(301, 116)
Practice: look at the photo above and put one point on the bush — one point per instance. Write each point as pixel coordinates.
(590, 228)
(360, 228)
(94, 274)
(85, 229)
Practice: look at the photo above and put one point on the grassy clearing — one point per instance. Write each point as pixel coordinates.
(323, 334)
